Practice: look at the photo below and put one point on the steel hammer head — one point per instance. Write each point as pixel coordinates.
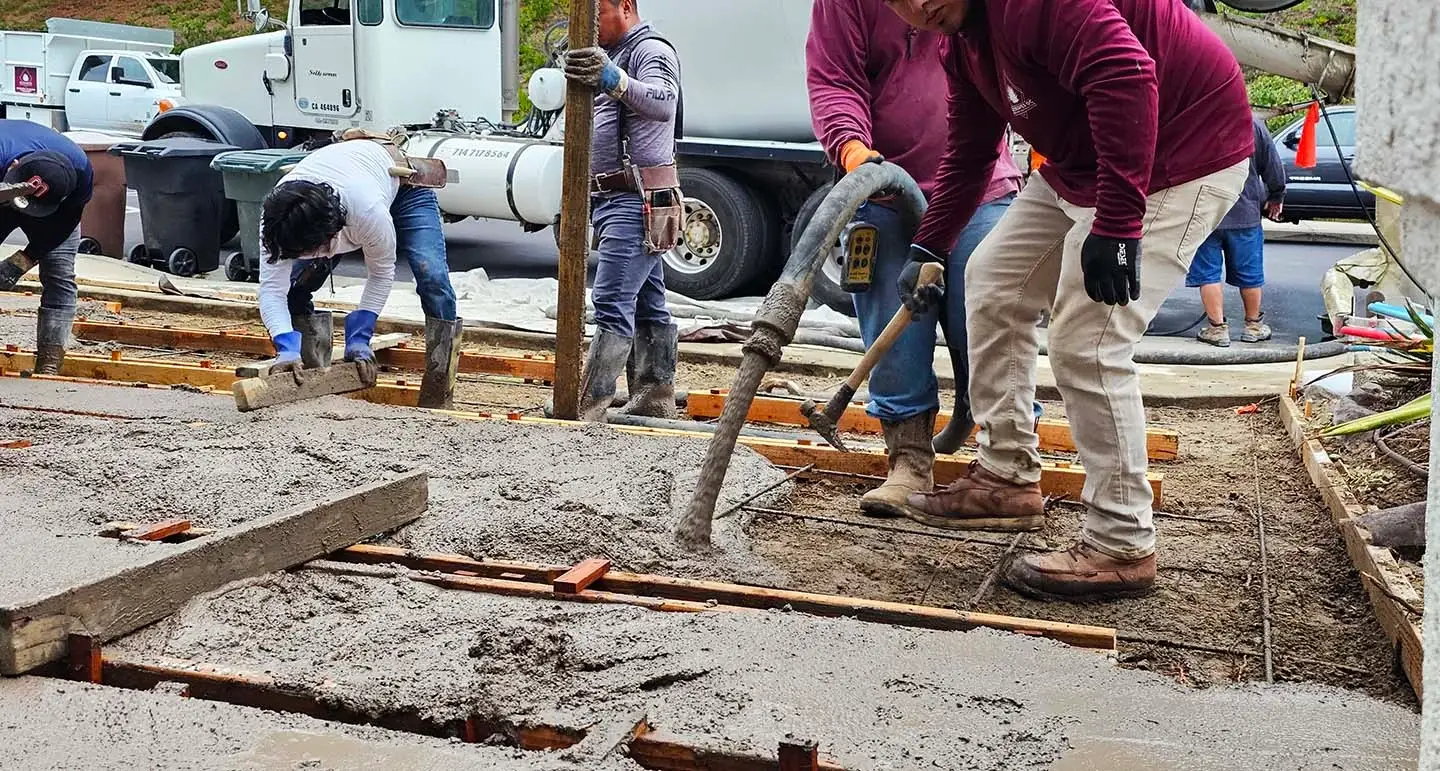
(823, 424)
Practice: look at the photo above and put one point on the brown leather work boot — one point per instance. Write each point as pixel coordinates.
(912, 463)
(1081, 573)
(980, 500)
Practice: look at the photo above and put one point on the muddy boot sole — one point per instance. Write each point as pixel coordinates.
(1013, 580)
(999, 524)
(883, 510)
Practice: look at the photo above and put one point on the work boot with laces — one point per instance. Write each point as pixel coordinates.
(1256, 331)
(912, 464)
(1217, 335)
(980, 500)
(1081, 573)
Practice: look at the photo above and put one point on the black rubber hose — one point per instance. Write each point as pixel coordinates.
(778, 318)
(1190, 355)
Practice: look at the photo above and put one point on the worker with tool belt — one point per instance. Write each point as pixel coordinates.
(872, 80)
(47, 182)
(1142, 115)
(360, 193)
(636, 210)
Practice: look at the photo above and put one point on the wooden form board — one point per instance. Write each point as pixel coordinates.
(398, 392)
(36, 632)
(648, 747)
(1386, 582)
(399, 356)
(1160, 444)
(682, 594)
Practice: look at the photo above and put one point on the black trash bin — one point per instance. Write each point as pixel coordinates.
(182, 202)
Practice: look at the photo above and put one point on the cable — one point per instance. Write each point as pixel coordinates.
(1150, 332)
(1355, 188)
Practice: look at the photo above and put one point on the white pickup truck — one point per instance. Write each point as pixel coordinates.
(89, 75)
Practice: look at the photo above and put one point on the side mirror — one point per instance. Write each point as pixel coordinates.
(262, 17)
(1292, 141)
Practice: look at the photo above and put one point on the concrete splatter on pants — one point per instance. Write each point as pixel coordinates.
(1030, 262)
(629, 283)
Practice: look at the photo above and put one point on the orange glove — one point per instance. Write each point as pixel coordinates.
(854, 153)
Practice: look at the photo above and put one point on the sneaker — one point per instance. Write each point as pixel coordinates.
(1256, 330)
(980, 500)
(1081, 573)
(1217, 335)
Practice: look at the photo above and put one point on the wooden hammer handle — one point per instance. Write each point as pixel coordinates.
(930, 273)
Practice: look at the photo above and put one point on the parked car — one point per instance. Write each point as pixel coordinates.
(1323, 192)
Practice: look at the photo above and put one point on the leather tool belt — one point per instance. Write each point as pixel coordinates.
(624, 181)
(410, 170)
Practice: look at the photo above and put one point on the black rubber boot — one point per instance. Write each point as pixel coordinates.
(52, 337)
(317, 339)
(962, 423)
(603, 365)
(442, 360)
(13, 268)
(650, 372)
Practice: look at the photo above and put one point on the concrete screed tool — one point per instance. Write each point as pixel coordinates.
(825, 422)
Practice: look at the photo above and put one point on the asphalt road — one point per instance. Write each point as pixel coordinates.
(1292, 297)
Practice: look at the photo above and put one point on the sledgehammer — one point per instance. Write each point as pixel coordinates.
(826, 422)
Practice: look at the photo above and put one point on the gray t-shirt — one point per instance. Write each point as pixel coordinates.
(649, 102)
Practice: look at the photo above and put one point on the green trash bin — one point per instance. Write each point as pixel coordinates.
(249, 175)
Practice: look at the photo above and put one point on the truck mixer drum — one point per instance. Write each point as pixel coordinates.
(778, 318)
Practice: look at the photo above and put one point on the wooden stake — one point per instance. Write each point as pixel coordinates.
(799, 756)
(84, 662)
(574, 221)
(1299, 363)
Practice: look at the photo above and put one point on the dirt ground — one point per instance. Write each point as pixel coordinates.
(1203, 626)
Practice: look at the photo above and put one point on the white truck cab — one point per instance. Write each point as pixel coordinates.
(89, 75)
(372, 64)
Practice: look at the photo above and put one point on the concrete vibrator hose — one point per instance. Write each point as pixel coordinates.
(779, 317)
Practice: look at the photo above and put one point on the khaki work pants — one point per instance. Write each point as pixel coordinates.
(1030, 262)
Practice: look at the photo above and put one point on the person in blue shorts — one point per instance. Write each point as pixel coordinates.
(1238, 247)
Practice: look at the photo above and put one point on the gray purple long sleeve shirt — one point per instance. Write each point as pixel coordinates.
(1266, 183)
(649, 103)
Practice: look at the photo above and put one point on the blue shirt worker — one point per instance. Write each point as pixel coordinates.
(50, 219)
(636, 210)
(1238, 245)
(343, 198)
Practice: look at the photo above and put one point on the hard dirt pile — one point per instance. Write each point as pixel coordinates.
(874, 696)
(497, 489)
(49, 724)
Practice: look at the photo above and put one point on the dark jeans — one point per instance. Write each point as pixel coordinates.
(419, 242)
(629, 284)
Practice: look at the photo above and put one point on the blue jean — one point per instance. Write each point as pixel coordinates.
(1240, 251)
(57, 267)
(903, 383)
(629, 283)
(419, 242)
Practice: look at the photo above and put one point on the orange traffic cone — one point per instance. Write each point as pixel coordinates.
(1305, 153)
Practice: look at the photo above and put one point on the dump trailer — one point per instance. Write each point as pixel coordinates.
(88, 75)
(750, 167)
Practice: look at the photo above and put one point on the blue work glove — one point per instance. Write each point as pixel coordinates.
(1112, 269)
(920, 299)
(359, 328)
(287, 355)
(592, 67)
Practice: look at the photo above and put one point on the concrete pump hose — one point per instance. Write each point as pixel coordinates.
(779, 317)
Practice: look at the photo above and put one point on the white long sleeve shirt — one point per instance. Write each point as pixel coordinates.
(359, 170)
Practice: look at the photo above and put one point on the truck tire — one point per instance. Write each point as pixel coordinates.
(727, 238)
(826, 290)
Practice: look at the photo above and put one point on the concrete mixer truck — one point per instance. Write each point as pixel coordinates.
(447, 71)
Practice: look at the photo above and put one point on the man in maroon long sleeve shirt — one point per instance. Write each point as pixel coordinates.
(1142, 115)
(872, 80)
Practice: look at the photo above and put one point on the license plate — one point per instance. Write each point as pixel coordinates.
(860, 242)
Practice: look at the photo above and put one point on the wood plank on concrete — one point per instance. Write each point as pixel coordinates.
(1160, 443)
(36, 631)
(1391, 593)
(337, 354)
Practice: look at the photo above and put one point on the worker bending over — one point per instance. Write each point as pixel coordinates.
(635, 209)
(339, 199)
(872, 80)
(50, 220)
(1142, 116)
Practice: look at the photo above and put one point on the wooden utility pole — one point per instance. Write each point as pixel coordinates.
(574, 222)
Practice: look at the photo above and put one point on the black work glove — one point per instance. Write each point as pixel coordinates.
(919, 299)
(1112, 269)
